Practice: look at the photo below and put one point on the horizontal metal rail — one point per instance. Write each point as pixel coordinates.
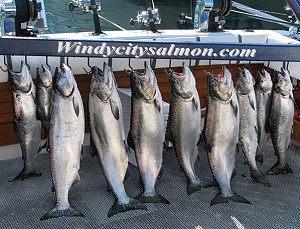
(150, 49)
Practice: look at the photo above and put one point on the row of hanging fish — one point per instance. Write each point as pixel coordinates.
(235, 114)
(31, 112)
(245, 115)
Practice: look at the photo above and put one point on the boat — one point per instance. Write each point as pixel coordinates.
(206, 48)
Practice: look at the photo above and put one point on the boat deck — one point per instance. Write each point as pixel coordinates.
(24, 202)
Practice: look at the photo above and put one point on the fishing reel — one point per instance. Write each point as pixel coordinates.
(183, 18)
(85, 5)
(23, 17)
(89, 6)
(210, 15)
(149, 18)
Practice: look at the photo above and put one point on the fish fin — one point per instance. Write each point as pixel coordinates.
(76, 107)
(157, 105)
(126, 147)
(127, 174)
(252, 102)
(130, 140)
(259, 157)
(292, 98)
(53, 188)
(235, 107)
(119, 208)
(38, 117)
(55, 213)
(93, 148)
(77, 180)
(259, 178)
(168, 137)
(156, 198)
(15, 126)
(201, 139)
(196, 104)
(82, 151)
(267, 127)
(114, 109)
(276, 170)
(219, 199)
(33, 96)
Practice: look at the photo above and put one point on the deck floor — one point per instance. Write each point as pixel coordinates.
(22, 203)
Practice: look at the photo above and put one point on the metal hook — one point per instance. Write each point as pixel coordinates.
(26, 62)
(47, 64)
(170, 63)
(153, 63)
(129, 64)
(210, 66)
(88, 66)
(4, 61)
(109, 62)
(67, 62)
(249, 66)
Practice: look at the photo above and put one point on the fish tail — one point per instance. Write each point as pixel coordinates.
(277, 169)
(55, 213)
(219, 199)
(25, 174)
(259, 177)
(156, 198)
(191, 188)
(119, 208)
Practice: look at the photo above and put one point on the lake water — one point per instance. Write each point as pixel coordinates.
(119, 12)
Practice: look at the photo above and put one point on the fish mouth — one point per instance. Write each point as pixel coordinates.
(47, 79)
(263, 74)
(64, 81)
(98, 74)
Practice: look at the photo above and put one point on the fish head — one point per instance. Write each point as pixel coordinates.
(143, 85)
(264, 81)
(220, 85)
(244, 83)
(21, 81)
(102, 82)
(44, 76)
(283, 84)
(64, 81)
(182, 84)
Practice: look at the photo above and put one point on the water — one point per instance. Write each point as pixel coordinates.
(119, 12)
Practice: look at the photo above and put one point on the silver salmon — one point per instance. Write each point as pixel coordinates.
(184, 124)
(248, 132)
(65, 140)
(107, 130)
(281, 121)
(146, 135)
(43, 94)
(263, 92)
(26, 124)
(221, 134)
